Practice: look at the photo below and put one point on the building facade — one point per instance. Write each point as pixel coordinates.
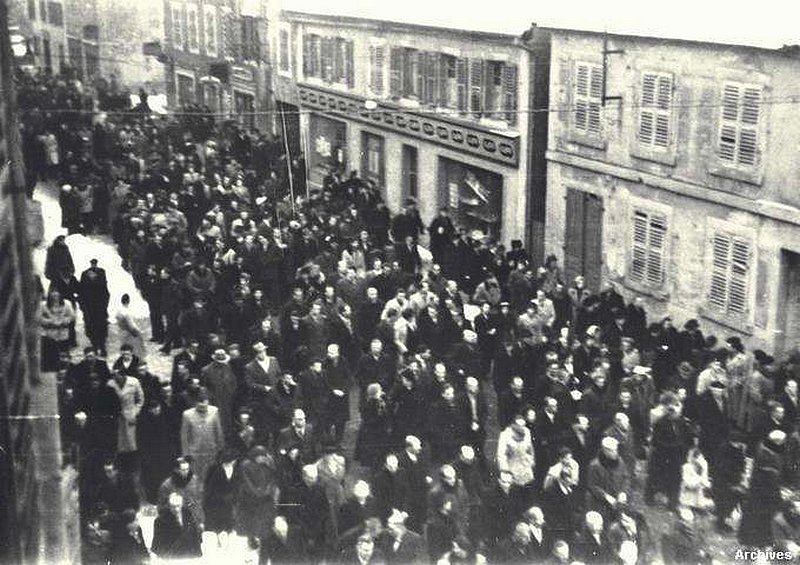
(671, 173)
(430, 113)
(40, 25)
(216, 54)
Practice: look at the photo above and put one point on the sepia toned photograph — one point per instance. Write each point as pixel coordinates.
(359, 282)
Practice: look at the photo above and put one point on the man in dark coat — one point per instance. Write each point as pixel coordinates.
(312, 513)
(176, 534)
(496, 510)
(94, 296)
(414, 476)
(297, 445)
(447, 425)
(407, 409)
(337, 378)
(441, 232)
(672, 437)
(399, 544)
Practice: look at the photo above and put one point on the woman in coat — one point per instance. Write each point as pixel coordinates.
(129, 331)
(131, 399)
(57, 316)
(257, 494)
(219, 495)
(515, 452)
(372, 441)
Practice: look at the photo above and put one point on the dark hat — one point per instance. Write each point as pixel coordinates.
(763, 358)
(717, 384)
(735, 343)
(691, 324)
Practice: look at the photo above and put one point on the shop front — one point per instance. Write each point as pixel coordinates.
(474, 196)
(327, 141)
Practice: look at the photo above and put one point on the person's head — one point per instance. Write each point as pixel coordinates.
(598, 377)
(175, 502)
(561, 551)
(521, 534)
(622, 421)
(609, 447)
(776, 411)
(126, 352)
(182, 467)
(518, 425)
(310, 475)
(625, 397)
(110, 470)
(396, 523)
(581, 423)
(517, 385)
(376, 346)
(391, 463)
(448, 475)
(298, 418)
(361, 491)
(119, 377)
(333, 351)
(594, 522)
(374, 391)
(791, 387)
(280, 526)
(89, 354)
(505, 480)
(413, 445)
(535, 516)
(472, 385)
(448, 393)
(550, 405)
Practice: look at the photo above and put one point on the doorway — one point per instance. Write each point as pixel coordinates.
(583, 238)
(789, 305)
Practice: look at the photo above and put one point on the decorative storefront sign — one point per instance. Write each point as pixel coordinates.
(460, 137)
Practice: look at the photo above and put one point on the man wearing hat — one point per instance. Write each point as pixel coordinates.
(607, 481)
(221, 383)
(441, 233)
(261, 375)
(672, 437)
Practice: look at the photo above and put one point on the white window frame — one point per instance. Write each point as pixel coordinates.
(738, 120)
(192, 11)
(178, 31)
(284, 27)
(723, 272)
(657, 109)
(210, 10)
(591, 100)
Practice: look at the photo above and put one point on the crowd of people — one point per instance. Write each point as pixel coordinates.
(502, 413)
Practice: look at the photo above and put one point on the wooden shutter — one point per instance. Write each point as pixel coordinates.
(730, 274)
(376, 61)
(748, 134)
(739, 275)
(655, 108)
(738, 134)
(656, 242)
(718, 291)
(596, 99)
(306, 55)
(431, 78)
(476, 78)
(327, 47)
(349, 71)
(445, 62)
(419, 74)
(396, 71)
(639, 249)
(509, 102)
(462, 66)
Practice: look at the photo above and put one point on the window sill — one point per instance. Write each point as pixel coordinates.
(644, 289)
(285, 74)
(666, 157)
(592, 141)
(408, 103)
(493, 123)
(753, 176)
(738, 324)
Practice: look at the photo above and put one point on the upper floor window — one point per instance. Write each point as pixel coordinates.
(210, 27)
(476, 102)
(588, 98)
(328, 58)
(177, 12)
(739, 122)
(32, 9)
(648, 247)
(55, 13)
(655, 110)
(283, 50)
(731, 264)
(192, 29)
(343, 62)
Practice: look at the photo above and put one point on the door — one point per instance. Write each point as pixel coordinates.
(244, 106)
(410, 173)
(372, 160)
(789, 308)
(583, 237)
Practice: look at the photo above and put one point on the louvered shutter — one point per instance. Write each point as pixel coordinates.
(461, 83)
(396, 71)
(738, 135)
(306, 55)
(376, 57)
(444, 82)
(418, 65)
(639, 249)
(476, 78)
(748, 134)
(349, 72)
(595, 100)
(656, 241)
(431, 76)
(718, 292)
(327, 47)
(509, 102)
(739, 274)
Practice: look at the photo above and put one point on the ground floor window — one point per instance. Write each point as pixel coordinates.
(244, 105)
(473, 195)
(185, 91)
(327, 140)
(373, 164)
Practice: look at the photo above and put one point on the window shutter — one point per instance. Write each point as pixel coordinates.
(718, 292)
(376, 56)
(431, 77)
(418, 65)
(348, 65)
(476, 71)
(396, 71)
(306, 55)
(510, 93)
(738, 133)
(581, 97)
(445, 63)
(596, 96)
(327, 59)
(639, 250)
(461, 83)
(740, 263)
(655, 257)
(730, 102)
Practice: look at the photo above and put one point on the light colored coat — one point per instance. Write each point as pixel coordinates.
(202, 438)
(131, 399)
(516, 456)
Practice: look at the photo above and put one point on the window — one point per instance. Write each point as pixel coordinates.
(430, 78)
(476, 101)
(177, 25)
(588, 98)
(32, 9)
(250, 43)
(327, 58)
(654, 113)
(210, 26)
(412, 77)
(730, 274)
(192, 30)
(461, 84)
(648, 248)
(376, 63)
(448, 96)
(311, 53)
(55, 13)
(738, 132)
(283, 50)
(43, 10)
